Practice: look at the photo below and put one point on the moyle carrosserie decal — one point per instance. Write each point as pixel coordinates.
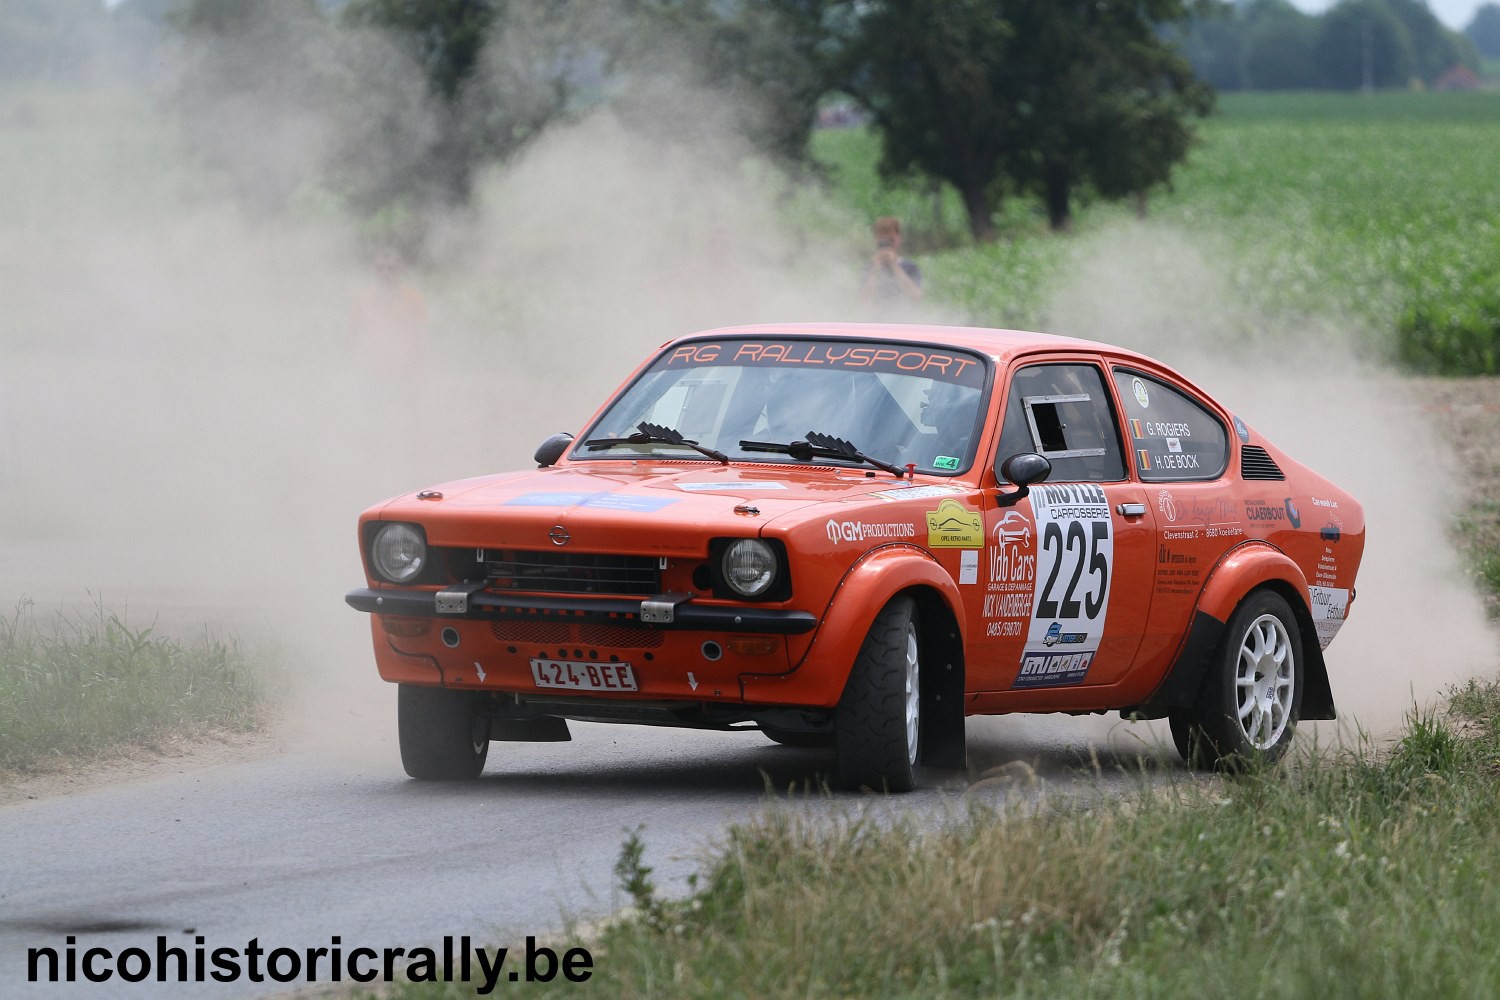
(1012, 563)
(1075, 559)
(952, 526)
(601, 501)
(1329, 607)
(731, 487)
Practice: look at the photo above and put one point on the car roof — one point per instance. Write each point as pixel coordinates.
(1000, 345)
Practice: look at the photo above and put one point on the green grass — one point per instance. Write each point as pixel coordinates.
(1348, 874)
(1379, 210)
(80, 685)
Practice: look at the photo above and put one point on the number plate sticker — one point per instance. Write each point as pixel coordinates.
(1074, 559)
(573, 675)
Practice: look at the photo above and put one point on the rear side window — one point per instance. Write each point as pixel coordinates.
(1063, 413)
(1173, 437)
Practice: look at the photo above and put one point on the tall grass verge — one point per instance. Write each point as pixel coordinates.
(83, 683)
(1347, 873)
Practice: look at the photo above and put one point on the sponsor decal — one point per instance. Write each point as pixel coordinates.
(601, 501)
(1292, 513)
(952, 526)
(1260, 512)
(735, 487)
(869, 531)
(1174, 445)
(1056, 635)
(1053, 669)
(1012, 577)
(1333, 504)
(1167, 505)
(1331, 532)
(902, 359)
(968, 566)
(1070, 601)
(1241, 431)
(1176, 572)
(1329, 607)
(917, 493)
(1138, 388)
(945, 462)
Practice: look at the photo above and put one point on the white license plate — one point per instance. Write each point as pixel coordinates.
(575, 676)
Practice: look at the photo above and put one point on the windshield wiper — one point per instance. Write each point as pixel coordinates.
(822, 446)
(656, 434)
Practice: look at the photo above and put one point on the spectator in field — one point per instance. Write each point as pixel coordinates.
(890, 277)
(390, 318)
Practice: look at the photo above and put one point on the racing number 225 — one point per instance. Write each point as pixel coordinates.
(1053, 545)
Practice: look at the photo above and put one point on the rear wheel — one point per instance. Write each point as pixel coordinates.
(878, 722)
(443, 735)
(1252, 696)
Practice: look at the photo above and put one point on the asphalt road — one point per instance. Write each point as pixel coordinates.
(295, 848)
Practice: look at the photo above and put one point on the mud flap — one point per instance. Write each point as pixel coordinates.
(543, 729)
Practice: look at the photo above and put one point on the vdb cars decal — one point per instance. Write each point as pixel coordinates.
(1075, 555)
(953, 527)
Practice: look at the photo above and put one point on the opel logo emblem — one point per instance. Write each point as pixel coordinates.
(559, 535)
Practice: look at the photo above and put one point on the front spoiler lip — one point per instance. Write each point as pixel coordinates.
(486, 606)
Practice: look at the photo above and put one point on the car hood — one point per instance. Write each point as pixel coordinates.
(627, 506)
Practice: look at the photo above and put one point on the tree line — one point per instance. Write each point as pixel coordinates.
(1356, 44)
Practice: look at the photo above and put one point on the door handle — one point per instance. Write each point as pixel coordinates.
(1131, 509)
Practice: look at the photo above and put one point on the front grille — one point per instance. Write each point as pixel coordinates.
(566, 634)
(1256, 463)
(572, 573)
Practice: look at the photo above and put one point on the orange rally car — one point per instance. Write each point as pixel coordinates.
(857, 535)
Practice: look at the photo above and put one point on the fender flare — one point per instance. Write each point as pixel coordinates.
(869, 584)
(1247, 567)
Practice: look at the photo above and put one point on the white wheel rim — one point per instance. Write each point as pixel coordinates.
(1265, 677)
(913, 694)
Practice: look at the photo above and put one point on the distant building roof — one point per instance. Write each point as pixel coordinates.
(1457, 78)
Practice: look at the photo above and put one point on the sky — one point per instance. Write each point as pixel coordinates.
(1456, 14)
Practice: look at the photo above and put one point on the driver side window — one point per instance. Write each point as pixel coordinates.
(1063, 413)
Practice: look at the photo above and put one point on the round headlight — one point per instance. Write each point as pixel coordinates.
(399, 552)
(749, 567)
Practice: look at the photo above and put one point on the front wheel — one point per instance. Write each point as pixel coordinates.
(443, 735)
(878, 722)
(1252, 695)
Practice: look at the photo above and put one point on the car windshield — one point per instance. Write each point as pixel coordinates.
(898, 403)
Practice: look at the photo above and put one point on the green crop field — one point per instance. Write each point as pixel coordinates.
(1380, 210)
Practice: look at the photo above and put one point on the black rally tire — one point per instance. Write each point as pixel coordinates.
(877, 724)
(1251, 697)
(443, 735)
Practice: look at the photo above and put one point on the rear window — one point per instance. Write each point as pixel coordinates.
(1173, 438)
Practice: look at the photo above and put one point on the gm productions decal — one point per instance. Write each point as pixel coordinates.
(1075, 555)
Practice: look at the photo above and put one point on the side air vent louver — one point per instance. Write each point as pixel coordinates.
(1256, 464)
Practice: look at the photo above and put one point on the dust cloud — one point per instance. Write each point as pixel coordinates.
(191, 419)
(1306, 383)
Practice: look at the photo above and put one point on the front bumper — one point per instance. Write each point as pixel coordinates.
(490, 606)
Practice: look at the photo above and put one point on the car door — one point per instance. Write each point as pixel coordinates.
(1068, 568)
